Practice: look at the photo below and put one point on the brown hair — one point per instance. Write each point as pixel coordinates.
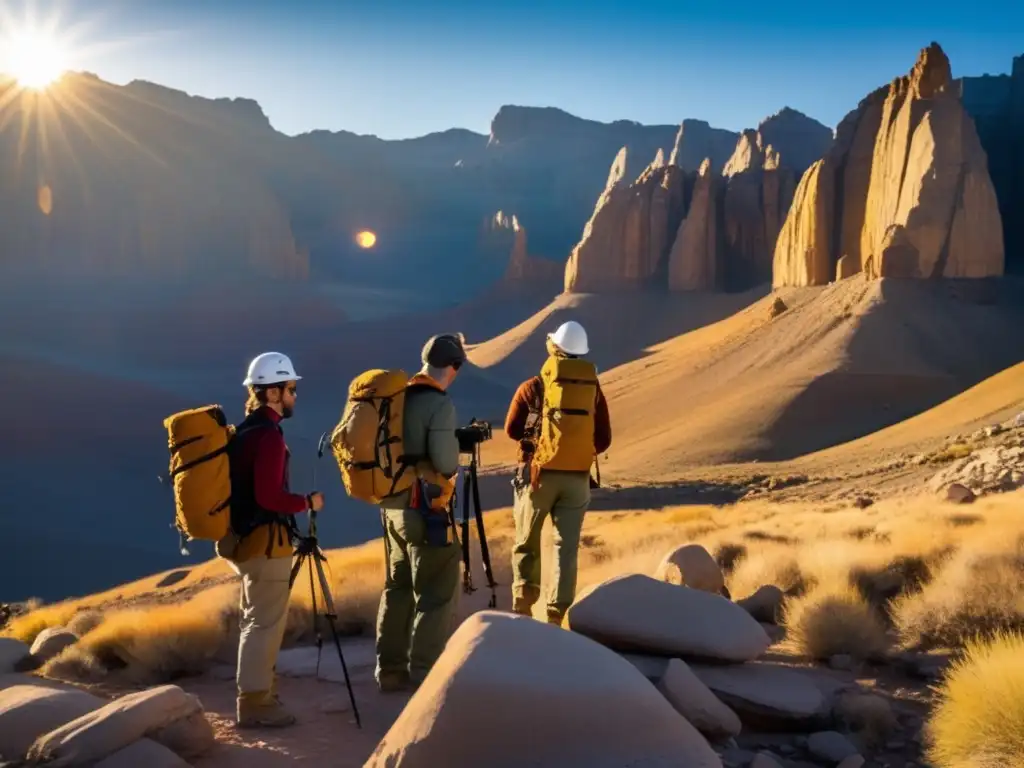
(257, 399)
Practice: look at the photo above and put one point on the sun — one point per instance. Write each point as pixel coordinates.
(32, 57)
(366, 239)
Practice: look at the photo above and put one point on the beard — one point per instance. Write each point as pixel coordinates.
(286, 411)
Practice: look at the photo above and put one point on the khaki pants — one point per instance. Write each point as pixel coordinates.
(565, 496)
(264, 606)
(417, 607)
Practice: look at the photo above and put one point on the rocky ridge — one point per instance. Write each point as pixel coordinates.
(711, 229)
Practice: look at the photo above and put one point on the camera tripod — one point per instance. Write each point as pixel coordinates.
(308, 552)
(470, 485)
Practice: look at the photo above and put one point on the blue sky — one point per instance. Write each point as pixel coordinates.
(398, 69)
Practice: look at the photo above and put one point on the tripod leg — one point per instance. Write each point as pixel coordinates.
(485, 554)
(316, 624)
(331, 617)
(467, 573)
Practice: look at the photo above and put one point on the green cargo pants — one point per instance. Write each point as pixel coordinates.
(418, 604)
(565, 496)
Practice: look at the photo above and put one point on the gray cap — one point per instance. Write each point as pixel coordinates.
(443, 350)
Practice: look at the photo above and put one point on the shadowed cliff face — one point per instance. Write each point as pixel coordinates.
(143, 183)
(996, 103)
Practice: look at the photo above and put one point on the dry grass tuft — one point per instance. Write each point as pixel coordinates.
(978, 719)
(728, 554)
(770, 565)
(158, 644)
(76, 664)
(84, 622)
(831, 620)
(867, 715)
(974, 593)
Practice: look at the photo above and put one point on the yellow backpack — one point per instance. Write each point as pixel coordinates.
(200, 471)
(566, 429)
(367, 442)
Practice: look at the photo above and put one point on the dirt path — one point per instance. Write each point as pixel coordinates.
(326, 732)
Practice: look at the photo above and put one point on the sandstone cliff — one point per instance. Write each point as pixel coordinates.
(922, 206)
(626, 241)
(997, 106)
(702, 231)
(693, 262)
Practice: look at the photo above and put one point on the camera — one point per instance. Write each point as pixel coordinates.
(472, 435)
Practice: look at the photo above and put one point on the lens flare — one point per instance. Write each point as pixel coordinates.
(366, 239)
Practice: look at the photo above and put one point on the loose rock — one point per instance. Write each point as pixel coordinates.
(637, 613)
(693, 566)
(830, 745)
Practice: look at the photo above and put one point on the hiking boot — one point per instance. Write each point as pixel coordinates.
(555, 616)
(390, 682)
(523, 608)
(262, 709)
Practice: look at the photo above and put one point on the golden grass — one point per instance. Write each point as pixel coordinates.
(846, 572)
(834, 619)
(978, 719)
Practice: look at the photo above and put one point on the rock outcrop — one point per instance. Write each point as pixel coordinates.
(919, 204)
(565, 700)
(626, 242)
(721, 227)
(693, 261)
(523, 269)
(996, 103)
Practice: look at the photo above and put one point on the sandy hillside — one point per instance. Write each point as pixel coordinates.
(840, 362)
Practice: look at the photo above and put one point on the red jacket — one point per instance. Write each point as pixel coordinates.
(263, 456)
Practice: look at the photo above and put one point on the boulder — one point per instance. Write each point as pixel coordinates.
(143, 752)
(50, 642)
(765, 604)
(684, 690)
(29, 711)
(767, 695)
(695, 701)
(693, 566)
(563, 700)
(102, 732)
(637, 613)
(12, 654)
(957, 493)
(189, 737)
(830, 745)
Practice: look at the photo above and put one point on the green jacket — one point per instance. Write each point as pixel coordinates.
(428, 429)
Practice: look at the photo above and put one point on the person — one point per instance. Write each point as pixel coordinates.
(417, 605)
(563, 492)
(260, 546)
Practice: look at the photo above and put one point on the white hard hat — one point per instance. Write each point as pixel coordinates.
(570, 338)
(270, 368)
